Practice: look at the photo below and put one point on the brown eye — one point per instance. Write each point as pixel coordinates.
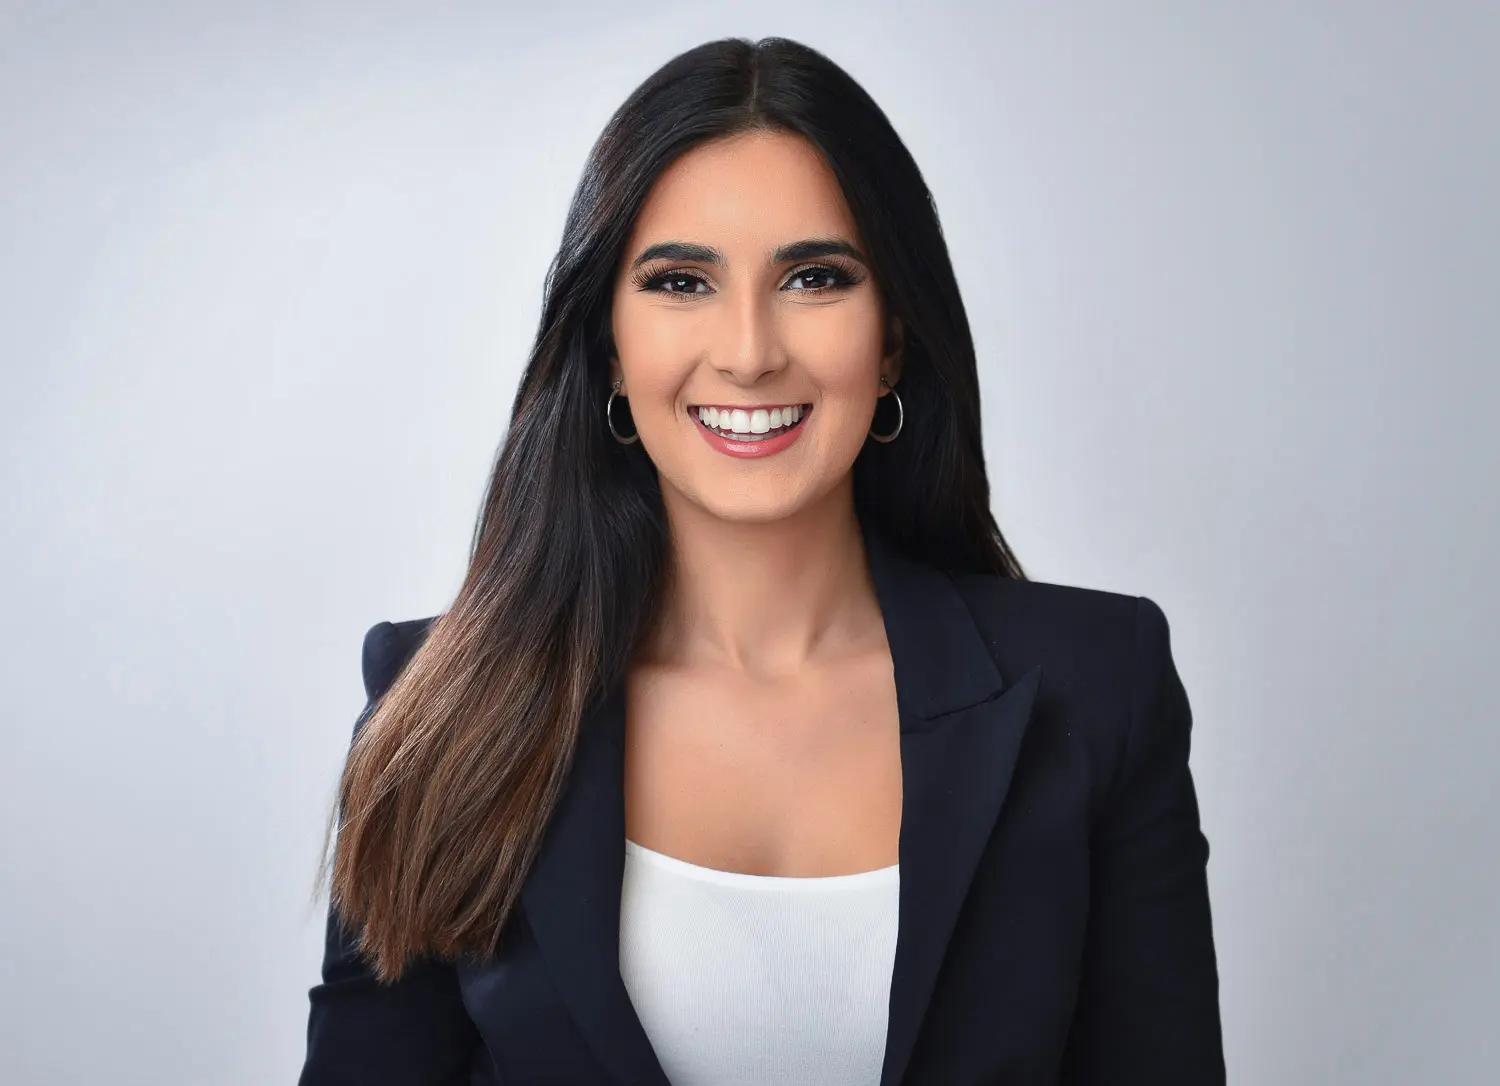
(808, 279)
(820, 277)
(672, 282)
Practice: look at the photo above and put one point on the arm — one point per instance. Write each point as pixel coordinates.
(1148, 999)
(415, 1032)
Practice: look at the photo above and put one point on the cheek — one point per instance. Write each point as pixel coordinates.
(844, 363)
(655, 362)
(843, 346)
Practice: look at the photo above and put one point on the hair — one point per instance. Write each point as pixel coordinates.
(456, 768)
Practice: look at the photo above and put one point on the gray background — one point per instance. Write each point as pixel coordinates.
(267, 276)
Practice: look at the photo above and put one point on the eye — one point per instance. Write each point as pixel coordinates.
(816, 278)
(675, 281)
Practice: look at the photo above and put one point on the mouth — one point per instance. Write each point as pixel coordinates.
(750, 424)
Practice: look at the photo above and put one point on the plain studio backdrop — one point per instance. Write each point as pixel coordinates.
(269, 273)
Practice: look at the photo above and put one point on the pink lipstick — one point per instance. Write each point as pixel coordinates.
(732, 430)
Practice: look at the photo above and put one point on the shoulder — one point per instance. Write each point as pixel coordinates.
(1106, 659)
(387, 648)
(1061, 626)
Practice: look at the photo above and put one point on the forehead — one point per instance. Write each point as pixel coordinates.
(754, 189)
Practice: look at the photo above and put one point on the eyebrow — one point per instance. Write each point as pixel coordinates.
(806, 249)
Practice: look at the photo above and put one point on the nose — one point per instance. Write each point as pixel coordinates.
(749, 349)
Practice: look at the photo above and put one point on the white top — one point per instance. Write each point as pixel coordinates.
(759, 980)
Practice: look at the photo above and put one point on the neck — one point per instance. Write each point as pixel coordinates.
(766, 598)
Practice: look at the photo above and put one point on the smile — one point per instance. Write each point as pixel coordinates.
(750, 431)
(750, 423)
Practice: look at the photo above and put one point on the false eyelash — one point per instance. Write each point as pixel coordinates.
(843, 275)
(646, 279)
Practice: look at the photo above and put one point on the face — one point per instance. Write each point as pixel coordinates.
(750, 335)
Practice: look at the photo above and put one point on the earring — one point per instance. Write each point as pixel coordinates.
(900, 416)
(614, 390)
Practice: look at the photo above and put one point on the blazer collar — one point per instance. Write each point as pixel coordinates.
(961, 729)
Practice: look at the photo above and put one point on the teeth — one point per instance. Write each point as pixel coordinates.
(757, 421)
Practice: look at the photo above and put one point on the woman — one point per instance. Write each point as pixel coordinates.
(746, 752)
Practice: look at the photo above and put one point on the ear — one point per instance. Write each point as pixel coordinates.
(894, 346)
(616, 373)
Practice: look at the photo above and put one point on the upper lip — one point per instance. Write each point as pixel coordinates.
(750, 406)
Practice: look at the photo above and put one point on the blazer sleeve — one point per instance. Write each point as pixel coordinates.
(415, 1032)
(1148, 1000)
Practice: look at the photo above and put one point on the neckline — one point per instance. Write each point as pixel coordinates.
(853, 880)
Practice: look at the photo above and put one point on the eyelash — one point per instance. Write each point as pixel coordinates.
(843, 277)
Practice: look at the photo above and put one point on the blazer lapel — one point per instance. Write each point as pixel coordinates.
(572, 899)
(961, 730)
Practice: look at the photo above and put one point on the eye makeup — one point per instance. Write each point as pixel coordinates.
(839, 275)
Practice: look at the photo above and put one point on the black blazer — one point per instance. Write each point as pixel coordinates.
(1054, 916)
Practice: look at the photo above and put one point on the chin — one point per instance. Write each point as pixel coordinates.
(754, 512)
(753, 508)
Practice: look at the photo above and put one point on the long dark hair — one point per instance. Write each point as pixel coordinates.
(456, 768)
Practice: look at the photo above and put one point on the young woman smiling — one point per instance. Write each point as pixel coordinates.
(746, 753)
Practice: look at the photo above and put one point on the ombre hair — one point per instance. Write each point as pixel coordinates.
(455, 769)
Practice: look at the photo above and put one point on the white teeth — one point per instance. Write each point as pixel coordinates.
(759, 420)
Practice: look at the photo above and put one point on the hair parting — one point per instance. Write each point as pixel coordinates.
(456, 767)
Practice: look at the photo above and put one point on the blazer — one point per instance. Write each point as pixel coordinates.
(1053, 922)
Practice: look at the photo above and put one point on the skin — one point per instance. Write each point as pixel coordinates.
(762, 734)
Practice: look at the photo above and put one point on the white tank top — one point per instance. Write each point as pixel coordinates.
(758, 980)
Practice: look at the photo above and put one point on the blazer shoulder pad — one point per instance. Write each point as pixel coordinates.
(1042, 605)
(387, 648)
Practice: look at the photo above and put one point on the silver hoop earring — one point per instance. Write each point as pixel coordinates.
(614, 390)
(900, 416)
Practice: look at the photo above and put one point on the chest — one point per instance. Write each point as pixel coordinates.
(798, 777)
(989, 912)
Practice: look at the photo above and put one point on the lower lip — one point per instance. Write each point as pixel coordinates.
(748, 450)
